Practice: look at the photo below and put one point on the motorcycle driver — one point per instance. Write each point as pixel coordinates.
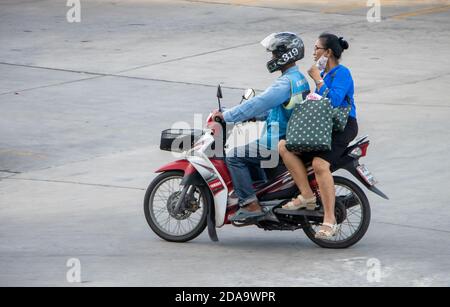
(274, 106)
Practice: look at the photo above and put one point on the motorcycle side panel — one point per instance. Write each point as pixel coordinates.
(215, 182)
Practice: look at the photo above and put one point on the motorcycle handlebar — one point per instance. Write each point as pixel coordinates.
(219, 120)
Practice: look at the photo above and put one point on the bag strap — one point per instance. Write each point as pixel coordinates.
(346, 98)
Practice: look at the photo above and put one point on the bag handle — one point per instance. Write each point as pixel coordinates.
(346, 98)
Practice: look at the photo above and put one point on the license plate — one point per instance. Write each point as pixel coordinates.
(366, 175)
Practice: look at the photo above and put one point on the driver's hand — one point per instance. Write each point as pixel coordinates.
(217, 113)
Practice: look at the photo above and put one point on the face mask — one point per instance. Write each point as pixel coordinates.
(322, 62)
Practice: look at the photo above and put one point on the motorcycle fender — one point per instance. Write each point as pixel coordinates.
(351, 168)
(180, 165)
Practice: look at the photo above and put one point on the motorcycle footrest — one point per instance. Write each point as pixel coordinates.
(302, 212)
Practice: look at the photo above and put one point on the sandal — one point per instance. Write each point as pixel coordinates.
(327, 234)
(309, 204)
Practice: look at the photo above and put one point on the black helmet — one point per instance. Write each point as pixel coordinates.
(286, 47)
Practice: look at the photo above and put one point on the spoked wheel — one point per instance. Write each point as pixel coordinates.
(352, 215)
(159, 207)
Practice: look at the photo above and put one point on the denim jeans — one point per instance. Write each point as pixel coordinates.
(239, 161)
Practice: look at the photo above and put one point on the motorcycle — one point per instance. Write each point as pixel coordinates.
(196, 192)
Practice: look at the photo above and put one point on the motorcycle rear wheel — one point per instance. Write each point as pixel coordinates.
(362, 216)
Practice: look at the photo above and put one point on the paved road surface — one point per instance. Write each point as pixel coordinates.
(82, 106)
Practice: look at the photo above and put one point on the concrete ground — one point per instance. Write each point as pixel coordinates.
(82, 106)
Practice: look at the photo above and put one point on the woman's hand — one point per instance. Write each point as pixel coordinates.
(314, 73)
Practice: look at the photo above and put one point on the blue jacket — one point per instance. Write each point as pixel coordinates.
(272, 106)
(339, 81)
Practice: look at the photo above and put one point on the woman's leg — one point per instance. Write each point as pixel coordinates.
(297, 169)
(326, 186)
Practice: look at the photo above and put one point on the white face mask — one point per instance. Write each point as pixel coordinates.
(322, 62)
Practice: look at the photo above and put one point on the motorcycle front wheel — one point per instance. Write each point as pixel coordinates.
(159, 203)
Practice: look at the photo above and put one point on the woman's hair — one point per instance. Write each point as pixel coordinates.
(336, 44)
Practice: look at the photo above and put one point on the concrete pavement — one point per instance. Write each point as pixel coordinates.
(82, 106)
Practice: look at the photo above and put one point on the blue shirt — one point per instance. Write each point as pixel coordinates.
(339, 81)
(269, 106)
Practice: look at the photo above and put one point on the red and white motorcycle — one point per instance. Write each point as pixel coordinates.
(197, 192)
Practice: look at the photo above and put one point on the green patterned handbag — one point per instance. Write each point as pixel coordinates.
(310, 126)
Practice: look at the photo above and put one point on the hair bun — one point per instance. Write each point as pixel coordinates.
(343, 43)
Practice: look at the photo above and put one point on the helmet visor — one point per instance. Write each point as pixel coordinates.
(269, 42)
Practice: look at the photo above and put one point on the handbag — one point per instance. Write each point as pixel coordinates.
(310, 126)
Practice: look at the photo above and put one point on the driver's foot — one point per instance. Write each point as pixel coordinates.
(253, 207)
(252, 210)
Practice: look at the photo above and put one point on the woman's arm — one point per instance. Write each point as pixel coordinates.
(340, 84)
(314, 73)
